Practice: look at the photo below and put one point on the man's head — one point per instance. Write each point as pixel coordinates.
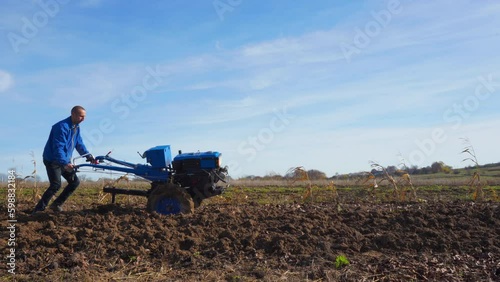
(77, 114)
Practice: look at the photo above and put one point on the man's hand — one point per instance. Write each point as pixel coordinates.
(69, 167)
(91, 159)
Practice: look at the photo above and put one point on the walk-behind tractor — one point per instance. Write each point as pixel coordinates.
(177, 186)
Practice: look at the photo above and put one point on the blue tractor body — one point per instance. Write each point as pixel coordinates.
(197, 174)
(159, 156)
(193, 162)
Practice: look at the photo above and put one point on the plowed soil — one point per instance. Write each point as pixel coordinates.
(439, 241)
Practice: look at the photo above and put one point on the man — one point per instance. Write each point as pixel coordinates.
(64, 138)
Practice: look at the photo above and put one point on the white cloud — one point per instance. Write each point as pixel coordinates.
(6, 81)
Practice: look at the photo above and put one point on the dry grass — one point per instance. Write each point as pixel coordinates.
(300, 174)
(475, 183)
(403, 188)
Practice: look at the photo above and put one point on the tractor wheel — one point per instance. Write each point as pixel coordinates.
(169, 199)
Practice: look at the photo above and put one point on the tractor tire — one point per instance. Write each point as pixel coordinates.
(169, 199)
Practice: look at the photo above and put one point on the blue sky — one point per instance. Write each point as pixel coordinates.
(328, 85)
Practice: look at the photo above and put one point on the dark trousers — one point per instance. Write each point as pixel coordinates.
(54, 172)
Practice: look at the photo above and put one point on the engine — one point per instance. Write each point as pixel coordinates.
(199, 173)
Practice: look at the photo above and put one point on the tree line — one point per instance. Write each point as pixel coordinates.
(314, 174)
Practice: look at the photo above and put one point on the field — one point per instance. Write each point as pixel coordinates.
(266, 231)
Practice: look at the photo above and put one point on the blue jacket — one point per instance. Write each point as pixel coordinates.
(63, 139)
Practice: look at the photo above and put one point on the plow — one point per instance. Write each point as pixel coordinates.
(178, 185)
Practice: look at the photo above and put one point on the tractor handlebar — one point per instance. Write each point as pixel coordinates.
(89, 158)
